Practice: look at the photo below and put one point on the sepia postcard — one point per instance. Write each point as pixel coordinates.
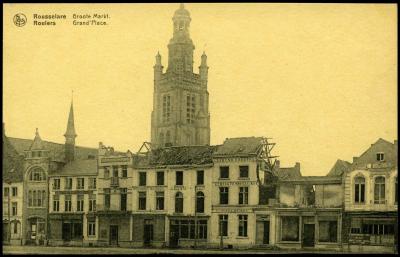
(200, 128)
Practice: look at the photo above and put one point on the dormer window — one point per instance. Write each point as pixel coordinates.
(380, 157)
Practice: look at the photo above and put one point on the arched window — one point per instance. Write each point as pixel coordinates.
(161, 139)
(379, 190)
(179, 202)
(359, 190)
(200, 202)
(37, 174)
(168, 139)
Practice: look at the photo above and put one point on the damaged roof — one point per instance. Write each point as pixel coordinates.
(339, 167)
(175, 155)
(240, 146)
(57, 151)
(77, 168)
(288, 173)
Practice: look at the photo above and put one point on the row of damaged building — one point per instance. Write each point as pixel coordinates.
(226, 195)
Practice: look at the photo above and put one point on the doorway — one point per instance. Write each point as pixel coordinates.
(266, 233)
(33, 230)
(148, 234)
(309, 235)
(113, 234)
(174, 236)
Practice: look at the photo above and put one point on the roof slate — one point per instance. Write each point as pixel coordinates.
(13, 169)
(77, 168)
(57, 152)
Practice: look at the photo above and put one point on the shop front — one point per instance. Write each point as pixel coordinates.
(376, 232)
(188, 231)
(114, 228)
(66, 229)
(148, 230)
(309, 229)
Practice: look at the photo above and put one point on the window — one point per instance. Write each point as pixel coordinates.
(179, 178)
(15, 227)
(14, 191)
(92, 202)
(37, 174)
(244, 171)
(68, 183)
(56, 184)
(290, 228)
(67, 202)
(6, 191)
(328, 231)
(166, 108)
(123, 199)
(142, 178)
(106, 172)
(107, 197)
(380, 157)
(200, 177)
(124, 171)
(81, 183)
(92, 183)
(78, 230)
(190, 108)
(223, 225)
(179, 202)
(168, 139)
(243, 225)
(160, 178)
(36, 198)
(202, 229)
(359, 190)
(142, 200)
(200, 202)
(56, 203)
(92, 228)
(223, 195)
(379, 229)
(379, 190)
(243, 195)
(224, 172)
(14, 209)
(79, 203)
(159, 200)
(115, 171)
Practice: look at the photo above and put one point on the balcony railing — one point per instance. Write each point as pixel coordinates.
(114, 181)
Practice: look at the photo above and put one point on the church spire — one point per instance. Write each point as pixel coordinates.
(70, 136)
(70, 125)
(180, 55)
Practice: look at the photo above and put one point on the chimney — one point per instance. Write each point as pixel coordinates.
(297, 166)
(277, 164)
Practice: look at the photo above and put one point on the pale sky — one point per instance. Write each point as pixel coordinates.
(320, 79)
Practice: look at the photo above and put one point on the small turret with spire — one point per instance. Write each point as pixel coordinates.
(70, 136)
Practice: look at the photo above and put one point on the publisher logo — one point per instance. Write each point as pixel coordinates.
(20, 19)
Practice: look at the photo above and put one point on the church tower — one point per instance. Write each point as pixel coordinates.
(180, 113)
(70, 136)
